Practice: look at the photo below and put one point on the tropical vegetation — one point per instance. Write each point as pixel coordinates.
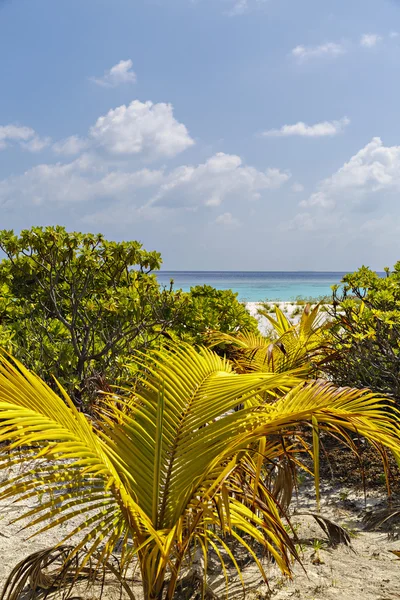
(365, 335)
(161, 427)
(170, 468)
(76, 306)
(302, 346)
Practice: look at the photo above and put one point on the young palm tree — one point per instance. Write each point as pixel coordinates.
(302, 346)
(172, 466)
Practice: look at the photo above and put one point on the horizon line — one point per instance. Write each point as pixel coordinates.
(252, 271)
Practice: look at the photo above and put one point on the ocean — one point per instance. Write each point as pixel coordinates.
(258, 286)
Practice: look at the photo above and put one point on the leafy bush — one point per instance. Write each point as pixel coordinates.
(366, 332)
(206, 308)
(75, 306)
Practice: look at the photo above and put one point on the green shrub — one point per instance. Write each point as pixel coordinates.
(76, 306)
(366, 332)
(205, 308)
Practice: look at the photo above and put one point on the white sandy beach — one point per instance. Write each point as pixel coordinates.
(291, 309)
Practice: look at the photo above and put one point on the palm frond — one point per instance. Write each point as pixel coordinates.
(173, 465)
(298, 348)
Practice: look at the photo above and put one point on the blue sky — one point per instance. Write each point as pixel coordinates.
(227, 134)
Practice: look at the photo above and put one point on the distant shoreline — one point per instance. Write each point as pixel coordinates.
(167, 272)
(258, 286)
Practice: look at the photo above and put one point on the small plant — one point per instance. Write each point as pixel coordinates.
(317, 545)
(316, 558)
(301, 477)
(343, 496)
(353, 533)
(382, 478)
(300, 548)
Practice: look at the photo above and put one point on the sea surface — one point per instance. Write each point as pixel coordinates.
(258, 286)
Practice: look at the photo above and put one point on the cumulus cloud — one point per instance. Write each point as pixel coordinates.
(362, 185)
(36, 144)
(85, 178)
(369, 40)
(142, 127)
(47, 182)
(70, 145)
(374, 168)
(120, 183)
(118, 74)
(321, 199)
(12, 133)
(323, 129)
(329, 49)
(71, 182)
(25, 137)
(104, 173)
(90, 178)
(297, 188)
(221, 176)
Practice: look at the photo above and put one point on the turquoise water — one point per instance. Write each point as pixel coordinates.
(257, 286)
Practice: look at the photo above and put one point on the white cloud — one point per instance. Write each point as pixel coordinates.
(118, 74)
(349, 202)
(118, 183)
(104, 176)
(26, 137)
(91, 178)
(363, 185)
(369, 40)
(86, 178)
(36, 144)
(70, 146)
(375, 168)
(394, 34)
(227, 220)
(325, 128)
(297, 188)
(303, 53)
(320, 199)
(187, 189)
(142, 127)
(220, 177)
(14, 133)
(50, 183)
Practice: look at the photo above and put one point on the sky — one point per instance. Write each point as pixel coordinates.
(226, 134)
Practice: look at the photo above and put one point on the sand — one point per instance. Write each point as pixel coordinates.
(290, 309)
(365, 571)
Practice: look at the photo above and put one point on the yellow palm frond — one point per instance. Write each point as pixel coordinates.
(173, 464)
(299, 348)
